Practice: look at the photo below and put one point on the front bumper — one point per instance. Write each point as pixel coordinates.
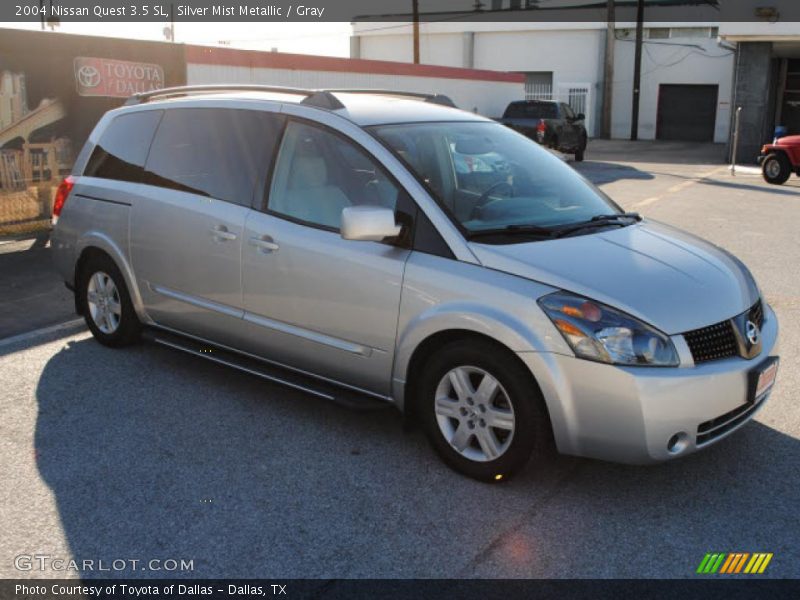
(630, 414)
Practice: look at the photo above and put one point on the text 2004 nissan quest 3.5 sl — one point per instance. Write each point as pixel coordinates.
(383, 248)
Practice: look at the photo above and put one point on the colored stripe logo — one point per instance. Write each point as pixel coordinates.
(734, 563)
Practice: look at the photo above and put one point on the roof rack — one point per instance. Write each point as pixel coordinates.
(432, 98)
(318, 98)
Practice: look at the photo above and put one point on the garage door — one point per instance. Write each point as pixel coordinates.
(686, 112)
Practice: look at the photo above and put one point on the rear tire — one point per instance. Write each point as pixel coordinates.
(482, 411)
(105, 303)
(776, 168)
(580, 153)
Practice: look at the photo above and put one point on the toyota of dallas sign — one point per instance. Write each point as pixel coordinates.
(115, 78)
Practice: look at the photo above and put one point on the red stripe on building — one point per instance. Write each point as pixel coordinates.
(303, 62)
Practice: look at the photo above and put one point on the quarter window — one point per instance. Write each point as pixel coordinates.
(319, 173)
(122, 150)
(220, 153)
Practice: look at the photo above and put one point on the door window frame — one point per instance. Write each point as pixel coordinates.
(263, 205)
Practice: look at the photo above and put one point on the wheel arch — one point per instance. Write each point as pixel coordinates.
(94, 244)
(438, 340)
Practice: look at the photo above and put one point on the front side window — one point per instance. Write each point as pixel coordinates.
(122, 150)
(319, 173)
(214, 152)
(489, 177)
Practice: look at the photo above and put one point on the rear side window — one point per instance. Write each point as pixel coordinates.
(122, 150)
(220, 153)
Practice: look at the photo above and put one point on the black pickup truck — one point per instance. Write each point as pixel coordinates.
(552, 124)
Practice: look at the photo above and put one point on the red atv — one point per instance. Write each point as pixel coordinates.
(780, 159)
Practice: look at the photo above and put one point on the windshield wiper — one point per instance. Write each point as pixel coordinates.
(513, 230)
(627, 215)
(621, 219)
(555, 232)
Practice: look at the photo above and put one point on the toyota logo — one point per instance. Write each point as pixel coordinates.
(752, 332)
(88, 76)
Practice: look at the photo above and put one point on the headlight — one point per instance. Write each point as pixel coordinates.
(601, 333)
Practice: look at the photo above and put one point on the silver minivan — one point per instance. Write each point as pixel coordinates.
(379, 247)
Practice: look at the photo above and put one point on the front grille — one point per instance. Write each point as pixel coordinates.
(719, 340)
(756, 314)
(711, 430)
(712, 342)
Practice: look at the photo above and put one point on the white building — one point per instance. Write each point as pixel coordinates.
(481, 91)
(687, 70)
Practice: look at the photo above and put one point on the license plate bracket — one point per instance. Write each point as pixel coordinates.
(761, 379)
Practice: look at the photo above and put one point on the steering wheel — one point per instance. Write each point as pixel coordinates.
(484, 199)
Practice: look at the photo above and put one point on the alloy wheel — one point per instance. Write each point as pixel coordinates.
(104, 302)
(474, 413)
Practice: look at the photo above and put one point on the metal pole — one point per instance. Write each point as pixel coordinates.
(735, 140)
(608, 75)
(637, 70)
(415, 11)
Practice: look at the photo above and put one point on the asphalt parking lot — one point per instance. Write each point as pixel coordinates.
(145, 453)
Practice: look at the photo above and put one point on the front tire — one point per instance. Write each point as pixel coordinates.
(776, 168)
(105, 303)
(482, 411)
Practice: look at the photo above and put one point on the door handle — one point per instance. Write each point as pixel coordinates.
(221, 233)
(264, 243)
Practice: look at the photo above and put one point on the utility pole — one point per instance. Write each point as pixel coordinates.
(608, 74)
(637, 70)
(415, 11)
(169, 30)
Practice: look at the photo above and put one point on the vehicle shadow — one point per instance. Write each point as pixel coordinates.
(658, 152)
(154, 455)
(790, 188)
(606, 172)
(33, 294)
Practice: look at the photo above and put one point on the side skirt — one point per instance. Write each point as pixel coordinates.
(228, 357)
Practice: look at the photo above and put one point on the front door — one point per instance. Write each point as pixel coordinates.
(316, 301)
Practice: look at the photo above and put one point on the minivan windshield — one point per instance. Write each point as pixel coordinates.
(492, 179)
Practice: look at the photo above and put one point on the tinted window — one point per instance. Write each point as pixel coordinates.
(221, 153)
(123, 147)
(319, 173)
(532, 110)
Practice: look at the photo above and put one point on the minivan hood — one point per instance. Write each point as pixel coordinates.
(670, 279)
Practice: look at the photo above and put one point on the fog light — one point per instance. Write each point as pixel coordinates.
(677, 443)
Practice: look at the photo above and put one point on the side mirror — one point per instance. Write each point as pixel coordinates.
(368, 223)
